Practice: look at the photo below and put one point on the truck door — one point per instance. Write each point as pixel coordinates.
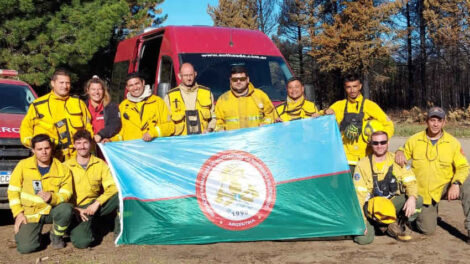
(149, 52)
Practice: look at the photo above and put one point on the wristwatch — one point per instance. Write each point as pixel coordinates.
(457, 183)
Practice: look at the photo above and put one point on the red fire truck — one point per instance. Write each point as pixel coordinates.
(212, 50)
(15, 98)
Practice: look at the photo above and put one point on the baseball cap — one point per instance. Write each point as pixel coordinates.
(437, 112)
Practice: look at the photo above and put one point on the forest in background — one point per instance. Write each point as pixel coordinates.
(409, 53)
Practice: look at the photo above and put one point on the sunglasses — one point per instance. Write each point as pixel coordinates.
(375, 143)
(236, 79)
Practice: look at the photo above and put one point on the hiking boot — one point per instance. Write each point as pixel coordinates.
(57, 242)
(399, 232)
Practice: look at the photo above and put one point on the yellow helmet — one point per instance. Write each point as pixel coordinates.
(370, 127)
(381, 210)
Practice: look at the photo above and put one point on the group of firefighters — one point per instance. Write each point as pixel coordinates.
(66, 184)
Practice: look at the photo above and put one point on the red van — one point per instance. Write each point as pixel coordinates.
(15, 98)
(212, 50)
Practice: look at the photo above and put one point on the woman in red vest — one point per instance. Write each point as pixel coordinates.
(105, 117)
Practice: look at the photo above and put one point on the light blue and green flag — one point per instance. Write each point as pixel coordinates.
(281, 181)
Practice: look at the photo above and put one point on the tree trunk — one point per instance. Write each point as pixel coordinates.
(422, 45)
(410, 94)
(365, 85)
(300, 51)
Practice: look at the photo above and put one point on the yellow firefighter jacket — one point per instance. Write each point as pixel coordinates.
(291, 110)
(93, 183)
(203, 103)
(437, 165)
(356, 150)
(252, 110)
(363, 181)
(57, 117)
(150, 115)
(22, 197)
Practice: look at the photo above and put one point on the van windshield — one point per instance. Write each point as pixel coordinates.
(15, 99)
(267, 73)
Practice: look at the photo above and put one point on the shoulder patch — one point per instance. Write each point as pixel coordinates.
(357, 176)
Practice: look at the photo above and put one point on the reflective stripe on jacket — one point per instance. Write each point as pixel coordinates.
(93, 183)
(150, 115)
(57, 117)
(356, 150)
(291, 110)
(436, 165)
(177, 106)
(251, 110)
(22, 197)
(363, 181)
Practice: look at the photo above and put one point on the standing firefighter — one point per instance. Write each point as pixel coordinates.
(352, 114)
(441, 170)
(39, 188)
(296, 106)
(387, 192)
(191, 105)
(244, 105)
(58, 115)
(143, 114)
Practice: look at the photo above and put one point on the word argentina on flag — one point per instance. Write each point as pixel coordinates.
(281, 181)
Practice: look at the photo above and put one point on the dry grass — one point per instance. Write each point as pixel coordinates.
(409, 122)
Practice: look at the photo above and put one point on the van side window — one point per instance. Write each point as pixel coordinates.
(118, 81)
(167, 74)
(148, 58)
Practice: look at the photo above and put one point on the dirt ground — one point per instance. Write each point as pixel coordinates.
(446, 246)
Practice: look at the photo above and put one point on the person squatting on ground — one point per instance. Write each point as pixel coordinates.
(94, 194)
(191, 105)
(387, 193)
(244, 105)
(58, 115)
(40, 187)
(143, 115)
(105, 116)
(440, 167)
(352, 114)
(296, 106)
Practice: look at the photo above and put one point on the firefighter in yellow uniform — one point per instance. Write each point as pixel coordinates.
(296, 106)
(39, 189)
(440, 167)
(352, 114)
(243, 106)
(58, 115)
(95, 194)
(143, 114)
(191, 105)
(387, 192)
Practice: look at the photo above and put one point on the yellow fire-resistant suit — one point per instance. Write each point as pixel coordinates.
(203, 102)
(291, 110)
(356, 150)
(252, 110)
(363, 181)
(437, 165)
(93, 183)
(150, 115)
(57, 117)
(21, 194)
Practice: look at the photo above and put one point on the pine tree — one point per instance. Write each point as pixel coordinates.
(37, 36)
(353, 42)
(234, 13)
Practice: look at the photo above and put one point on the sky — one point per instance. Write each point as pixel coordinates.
(187, 12)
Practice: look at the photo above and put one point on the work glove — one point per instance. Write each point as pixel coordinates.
(351, 132)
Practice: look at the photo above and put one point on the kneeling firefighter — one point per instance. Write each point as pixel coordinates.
(387, 192)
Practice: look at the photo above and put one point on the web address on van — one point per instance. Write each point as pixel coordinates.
(233, 56)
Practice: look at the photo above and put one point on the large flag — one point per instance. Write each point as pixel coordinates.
(281, 181)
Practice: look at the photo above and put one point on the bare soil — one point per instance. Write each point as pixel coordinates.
(447, 245)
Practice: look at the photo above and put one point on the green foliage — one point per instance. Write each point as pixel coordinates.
(38, 36)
